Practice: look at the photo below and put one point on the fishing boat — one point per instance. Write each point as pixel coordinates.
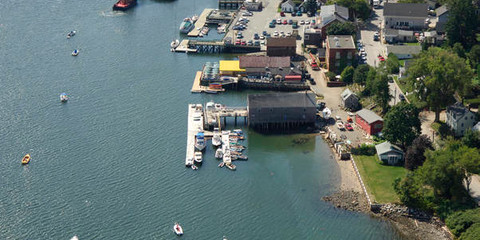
(205, 30)
(26, 159)
(231, 166)
(234, 157)
(194, 167)
(198, 157)
(71, 34)
(63, 97)
(178, 229)
(174, 43)
(187, 25)
(123, 5)
(242, 157)
(75, 52)
(221, 164)
(219, 154)
(217, 138)
(200, 141)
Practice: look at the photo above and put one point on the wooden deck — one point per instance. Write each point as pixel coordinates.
(183, 47)
(197, 88)
(200, 23)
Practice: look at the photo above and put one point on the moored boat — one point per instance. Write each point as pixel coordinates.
(71, 34)
(74, 238)
(178, 229)
(75, 52)
(221, 164)
(198, 157)
(187, 25)
(174, 43)
(63, 97)
(242, 157)
(217, 138)
(209, 91)
(123, 5)
(194, 167)
(219, 153)
(26, 159)
(231, 166)
(200, 141)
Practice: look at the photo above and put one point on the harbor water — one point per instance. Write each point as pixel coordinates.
(109, 163)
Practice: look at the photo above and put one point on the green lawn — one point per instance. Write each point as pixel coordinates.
(413, 44)
(379, 178)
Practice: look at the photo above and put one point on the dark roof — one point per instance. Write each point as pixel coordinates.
(263, 61)
(441, 10)
(333, 9)
(457, 110)
(369, 116)
(281, 42)
(281, 100)
(406, 9)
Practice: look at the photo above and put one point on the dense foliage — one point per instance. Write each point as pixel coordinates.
(338, 28)
(311, 6)
(401, 124)
(360, 74)
(347, 74)
(462, 221)
(393, 64)
(360, 8)
(364, 149)
(415, 155)
(381, 91)
(462, 23)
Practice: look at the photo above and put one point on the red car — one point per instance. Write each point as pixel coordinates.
(282, 14)
(238, 42)
(244, 43)
(285, 22)
(348, 127)
(381, 58)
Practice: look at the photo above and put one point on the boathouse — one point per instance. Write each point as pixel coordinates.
(281, 111)
(281, 46)
(262, 65)
(369, 121)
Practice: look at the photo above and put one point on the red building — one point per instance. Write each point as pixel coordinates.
(369, 121)
(340, 52)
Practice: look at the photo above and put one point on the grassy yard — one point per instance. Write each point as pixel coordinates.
(413, 44)
(379, 178)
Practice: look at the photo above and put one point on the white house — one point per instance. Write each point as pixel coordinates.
(409, 16)
(389, 153)
(288, 6)
(476, 128)
(459, 118)
(404, 51)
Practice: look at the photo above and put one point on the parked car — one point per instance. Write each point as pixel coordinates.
(279, 21)
(401, 97)
(275, 34)
(239, 35)
(299, 13)
(376, 36)
(264, 33)
(262, 37)
(250, 42)
(282, 14)
(238, 42)
(294, 14)
(289, 34)
(290, 22)
(285, 22)
(243, 43)
(255, 36)
(256, 43)
(302, 22)
(295, 25)
(271, 25)
(307, 22)
(348, 127)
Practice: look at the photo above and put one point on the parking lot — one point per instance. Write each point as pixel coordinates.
(259, 22)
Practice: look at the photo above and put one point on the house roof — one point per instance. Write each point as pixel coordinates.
(346, 94)
(397, 32)
(263, 61)
(290, 2)
(403, 49)
(386, 147)
(369, 116)
(281, 42)
(340, 42)
(331, 18)
(330, 10)
(281, 100)
(457, 110)
(230, 66)
(406, 10)
(441, 10)
(476, 127)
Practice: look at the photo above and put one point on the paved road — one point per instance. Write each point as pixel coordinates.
(367, 30)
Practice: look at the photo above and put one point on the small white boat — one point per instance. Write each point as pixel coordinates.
(231, 166)
(219, 154)
(63, 97)
(194, 18)
(242, 157)
(205, 30)
(71, 34)
(217, 138)
(75, 52)
(178, 229)
(194, 167)
(175, 43)
(221, 164)
(74, 238)
(198, 157)
(200, 141)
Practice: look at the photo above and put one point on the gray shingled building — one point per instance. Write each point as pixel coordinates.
(281, 110)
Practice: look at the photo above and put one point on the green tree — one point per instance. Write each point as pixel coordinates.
(360, 74)
(437, 74)
(411, 1)
(381, 91)
(401, 124)
(393, 64)
(360, 8)
(462, 22)
(459, 50)
(460, 221)
(474, 56)
(468, 161)
(415, 154)
(311, 6)
(347, 74)
(472, 233)
(338, 28)
(471, 139)
(410, 191)
(372, 73)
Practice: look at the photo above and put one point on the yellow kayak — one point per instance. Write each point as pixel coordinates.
(26, 159)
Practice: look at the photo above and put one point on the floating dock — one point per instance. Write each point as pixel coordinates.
(183, 47)
(195, 125)
(227, 158)
(201, 21)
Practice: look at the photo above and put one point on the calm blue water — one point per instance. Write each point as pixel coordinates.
(109, 164)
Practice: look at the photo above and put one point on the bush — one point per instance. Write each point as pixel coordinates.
(475, 102)
(330, 76)
(364, 149)
(460, 222)
(472, 233)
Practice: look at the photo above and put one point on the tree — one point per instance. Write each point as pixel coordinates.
(347, 74)
(311, 6)
(460, 221)
(437, 74)
(372, 73)
(411, 1)
(409, 191)
(459, 50)
(393, 64)
(471, 139)
(474, 56)
(360, 8)
(401, 124)
(381, 91)
(415, 155)
(360, 74)
(468, 161)
(338, 28)
(462, 22)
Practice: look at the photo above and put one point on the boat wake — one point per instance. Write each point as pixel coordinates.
(110, 13)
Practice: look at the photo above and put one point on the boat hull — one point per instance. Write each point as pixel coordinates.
(124, 7)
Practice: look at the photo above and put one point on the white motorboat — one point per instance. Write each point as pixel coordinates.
(217, 138)
(219, 153)
(198, 157)
(194, 167)
(227, 157)
(194, 18)
(175, 43)
(221, 164)
(74, 238)
(231, 166)
(63, 97)
(200, 141)
(178, 229)
(75, 52)
(71, 34)
(189, 162)
(187, 25)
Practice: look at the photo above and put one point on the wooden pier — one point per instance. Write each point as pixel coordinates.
(197, 88)
(195, 125)
(215, 114)
(200, 23)
(183, 47)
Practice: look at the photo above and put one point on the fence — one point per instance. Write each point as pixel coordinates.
(361, 182)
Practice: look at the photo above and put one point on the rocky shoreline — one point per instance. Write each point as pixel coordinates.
(412, 224)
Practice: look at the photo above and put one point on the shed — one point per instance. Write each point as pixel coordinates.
(389, 153)
(369, 121)
(349, 100)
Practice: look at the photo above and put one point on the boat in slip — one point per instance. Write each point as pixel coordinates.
(189, 162)
(219, 154)
(217, 138)
(174, 43)
(221, 164)
(178, 229)
(209, 91)
(187, 25)
(200, 141)
(26, 159)
(63, 97)
(71, 34)
(231, 166)
(198, 158)
(194, 167)
(75, 52)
